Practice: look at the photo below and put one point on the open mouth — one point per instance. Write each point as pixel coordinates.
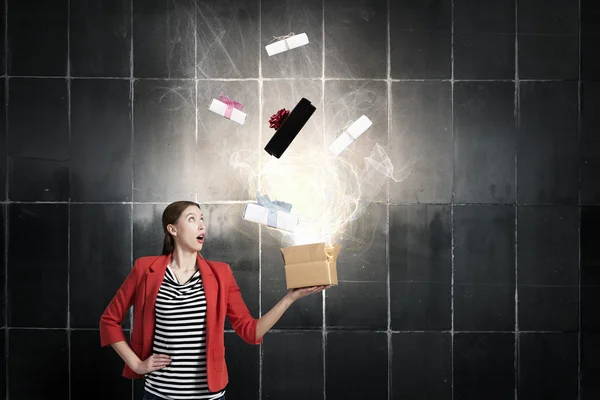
(200, 238)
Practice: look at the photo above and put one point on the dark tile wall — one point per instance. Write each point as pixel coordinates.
(481, 275)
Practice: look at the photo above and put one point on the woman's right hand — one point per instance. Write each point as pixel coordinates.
(152, 363)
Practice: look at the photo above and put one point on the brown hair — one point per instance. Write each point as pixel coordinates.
(170, 216)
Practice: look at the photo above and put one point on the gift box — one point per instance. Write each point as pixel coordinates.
(350, 135)
(286, 43)
(228, 108)
(310, 265)
(273, 213)
(288, 128)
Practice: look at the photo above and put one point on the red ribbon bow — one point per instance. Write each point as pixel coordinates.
(276, 120)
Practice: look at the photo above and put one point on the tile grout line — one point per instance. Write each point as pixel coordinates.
(452, 201)
(324, 293)
(6, 207)
(258, 185)
(69, 130)
(579, 130)
(387, 207)
(132, 155)
(517, 126)
(75, 78)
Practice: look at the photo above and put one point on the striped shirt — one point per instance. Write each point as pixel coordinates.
(181, 333)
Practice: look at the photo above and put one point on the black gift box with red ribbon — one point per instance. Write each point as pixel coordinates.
(289, 128)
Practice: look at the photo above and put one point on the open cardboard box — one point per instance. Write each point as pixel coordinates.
(310, 265)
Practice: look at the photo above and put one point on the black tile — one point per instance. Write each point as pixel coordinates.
(220, 174)
(590, 57)
(494, 16)
(3, 141)
(421, 54)
(547, 144)
(554, 308)
(308, 312)
(231, 241)
(3, 221)
(362, 371)
(37, 37)
(548, 366)
(484, 142)
(227, 39)
(364, 254)
(590, 143)
(420, 39)
(3, 361)
(242, 367)
(44, 270)
(548, 268)
(420, 280)
(484, 56)
(38, 180)
(420, 243)
(100, 38)
(422, 15)
(346, 101)
(163, 39)
(548, 43)
(148, 236)
(484, 238)
(590, 269)
(38, 139)
(417, 306)
(548, 56)
(100, 259)
(421, 140)
(164, 141)
(590, 368)
(299, 159)
(421, 366)
(95, 367)
(292, 366)
(548, 245)
(289, 16)
(558, 17)
(484, 262)
(366, 300)
(484, 366)
(590, 308)
(590, 253)
(100, 140)
(50, 366)
(484, 40)
(356, 44)
(590, 16)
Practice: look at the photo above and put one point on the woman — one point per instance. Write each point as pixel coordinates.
(180, 301)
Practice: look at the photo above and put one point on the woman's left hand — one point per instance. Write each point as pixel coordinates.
(295, 294)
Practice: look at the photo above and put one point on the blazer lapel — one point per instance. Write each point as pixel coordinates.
(210, 292)
(154, 278)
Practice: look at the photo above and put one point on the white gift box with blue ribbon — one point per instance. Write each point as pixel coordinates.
(273, 213)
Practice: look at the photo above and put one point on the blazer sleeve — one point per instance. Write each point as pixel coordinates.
(112, 318)
(241, 320)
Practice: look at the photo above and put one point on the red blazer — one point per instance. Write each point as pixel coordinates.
(140, 289)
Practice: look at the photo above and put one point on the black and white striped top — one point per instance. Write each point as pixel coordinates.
(180, 332)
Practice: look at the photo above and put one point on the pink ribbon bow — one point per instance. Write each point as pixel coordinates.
(231, 104)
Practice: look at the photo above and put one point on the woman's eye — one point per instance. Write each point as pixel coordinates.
(191, 218)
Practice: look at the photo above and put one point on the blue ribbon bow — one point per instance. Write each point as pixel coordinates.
(273, 206)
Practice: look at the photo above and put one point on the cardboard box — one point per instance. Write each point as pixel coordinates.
(310, 265)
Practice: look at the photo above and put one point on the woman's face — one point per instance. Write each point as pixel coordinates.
(189, 230)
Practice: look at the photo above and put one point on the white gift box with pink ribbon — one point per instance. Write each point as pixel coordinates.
(228, 108)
